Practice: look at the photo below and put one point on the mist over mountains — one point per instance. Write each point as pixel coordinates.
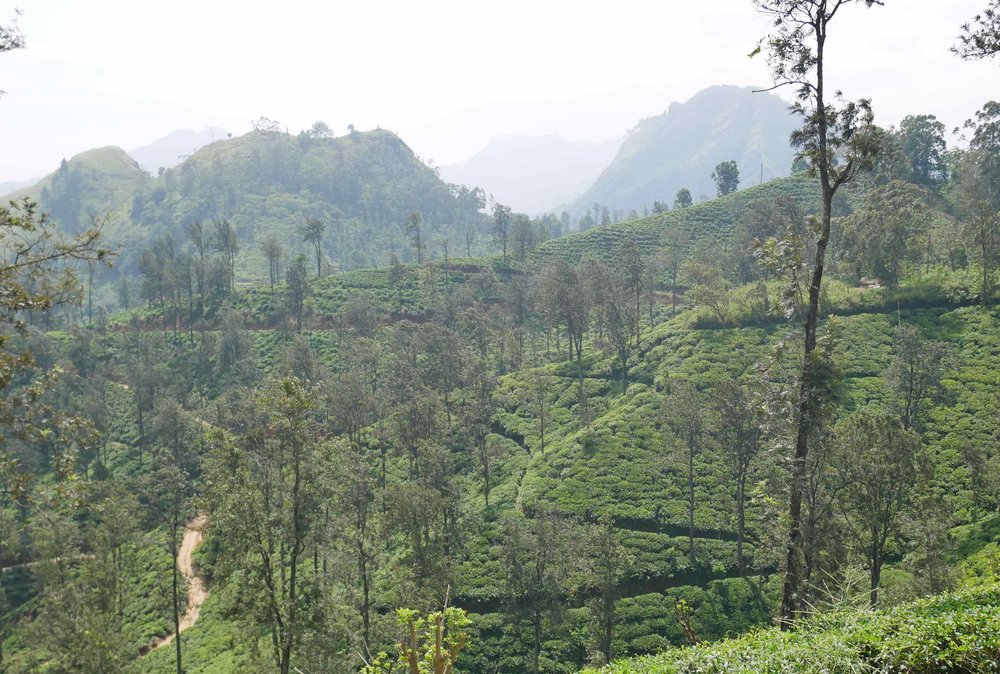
(534, 174)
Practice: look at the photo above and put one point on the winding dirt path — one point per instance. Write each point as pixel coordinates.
(193, 534)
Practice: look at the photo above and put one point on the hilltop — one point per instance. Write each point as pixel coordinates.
(362, 186)
(682, 146)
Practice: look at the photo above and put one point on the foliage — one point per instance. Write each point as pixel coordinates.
(429, 645)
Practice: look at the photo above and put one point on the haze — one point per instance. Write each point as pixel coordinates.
(446, 75)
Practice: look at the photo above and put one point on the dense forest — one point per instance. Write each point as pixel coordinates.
(297, 405)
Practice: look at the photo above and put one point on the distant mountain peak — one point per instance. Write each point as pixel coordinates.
(175, 147)
(682, 146)
(533, 173)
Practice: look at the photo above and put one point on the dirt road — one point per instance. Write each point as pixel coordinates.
(195, 583)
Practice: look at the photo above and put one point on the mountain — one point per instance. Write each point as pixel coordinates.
(681, 147)
(174, 148)
(534, 174)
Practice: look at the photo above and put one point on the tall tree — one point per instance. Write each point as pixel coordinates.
(878, 463)
(313, 234)
(273, 253)
(741, 434)
(265, 494)
(413, 226)
(839, 141)
(502, 216)
(726, 177)
(683, 198)
(884, 233)
(915, 374)
(226, 242)
(298, 289)
(685, 408)
(922, 141)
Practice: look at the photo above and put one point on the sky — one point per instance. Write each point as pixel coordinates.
(447, 75)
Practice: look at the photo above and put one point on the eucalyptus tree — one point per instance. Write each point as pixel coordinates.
(313, 234)
(839, 140)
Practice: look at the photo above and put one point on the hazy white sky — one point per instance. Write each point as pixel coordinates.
(447, 75)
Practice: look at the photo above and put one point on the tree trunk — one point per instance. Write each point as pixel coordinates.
(791, 586)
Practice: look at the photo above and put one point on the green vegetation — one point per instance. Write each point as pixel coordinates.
(574, 452)
(954, 632)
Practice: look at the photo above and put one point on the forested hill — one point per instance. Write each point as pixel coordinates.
(681, 147)
(362, 186)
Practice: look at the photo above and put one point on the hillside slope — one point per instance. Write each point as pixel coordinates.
(681, 147)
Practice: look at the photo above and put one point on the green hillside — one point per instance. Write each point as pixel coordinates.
(548, 441)
(682, 146)
(362, 187)
(96, 184)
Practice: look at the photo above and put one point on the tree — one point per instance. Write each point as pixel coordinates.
(536, 558)
(741, 436)
(980, 38)
(11, 38)
(501, 226)
(298, 289)
(523, 235)
(922, 141)
(683, 198)
(878, 463)
(169, 491)
(225, 241)
(726, 177)
(840, 141)
(265, 490)
(413, 225)
(313, 234)
(607, 560)
(880, 235)
(273, 253)
(915, 374)
(685, 409)
(320, 129)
